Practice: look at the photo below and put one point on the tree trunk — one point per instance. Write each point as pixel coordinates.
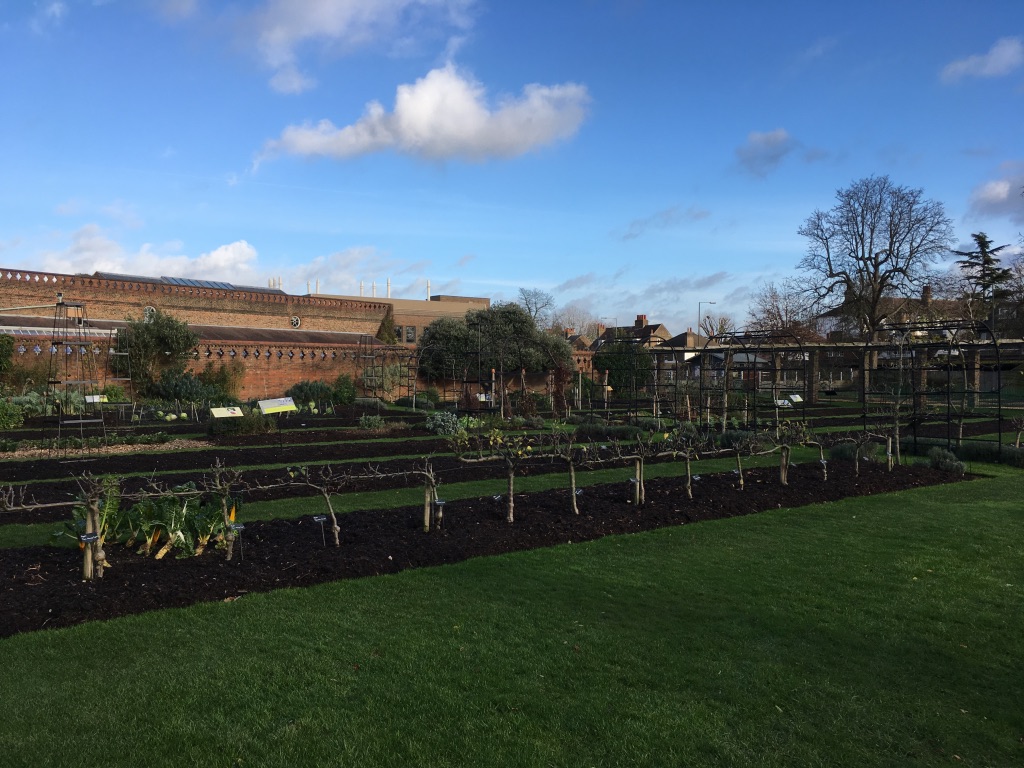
(784, 465)
(88, 570)
(639, 497)
(335, 530)
(427, 502)
(739, 468)
(511, 508)
(229, 534)
(99, 557)
(689, 478)
(572, 488)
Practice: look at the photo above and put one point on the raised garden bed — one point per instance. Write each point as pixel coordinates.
(42, 586)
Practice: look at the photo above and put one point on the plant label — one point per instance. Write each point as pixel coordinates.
(238, 526)
(319, 518)
(89, 538)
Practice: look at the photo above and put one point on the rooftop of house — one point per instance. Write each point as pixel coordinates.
(641, 332)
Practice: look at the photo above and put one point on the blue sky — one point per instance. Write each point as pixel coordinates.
(629, 156)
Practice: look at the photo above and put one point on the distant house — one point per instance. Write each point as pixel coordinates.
(844, 324)
(641, 332)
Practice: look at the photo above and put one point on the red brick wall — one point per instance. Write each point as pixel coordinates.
(287, 364)
(264, 377)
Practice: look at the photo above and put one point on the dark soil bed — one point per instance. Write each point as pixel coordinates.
(42, 586)
(193, 461)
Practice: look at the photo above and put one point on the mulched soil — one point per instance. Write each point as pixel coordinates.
(192, 461)
(41, 587)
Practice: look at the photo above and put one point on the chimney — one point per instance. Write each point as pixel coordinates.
(926, 296)
(570, 332)
(389, 287)
(641, 321)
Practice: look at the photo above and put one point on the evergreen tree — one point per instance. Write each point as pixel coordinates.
(988, 281)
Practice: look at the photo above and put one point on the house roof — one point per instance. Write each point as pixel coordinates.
(646, 334)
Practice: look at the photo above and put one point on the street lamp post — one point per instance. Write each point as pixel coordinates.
(699, 304)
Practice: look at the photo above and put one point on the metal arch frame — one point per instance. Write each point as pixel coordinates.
(953, 331)
(726, 342)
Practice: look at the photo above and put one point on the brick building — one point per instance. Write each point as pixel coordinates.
(277, 338)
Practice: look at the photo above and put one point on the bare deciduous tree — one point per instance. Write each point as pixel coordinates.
(539, 304)
(577, 317)
(716, 325)
(782, 308)
(877, 242)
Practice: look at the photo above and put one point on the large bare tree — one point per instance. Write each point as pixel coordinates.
(783, 309)
(716, 325)
(576, 316)
(876, 243)
(540, 305)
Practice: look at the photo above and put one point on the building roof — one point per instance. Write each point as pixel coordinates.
(185, 281)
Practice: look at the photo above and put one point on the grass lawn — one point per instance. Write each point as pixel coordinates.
(880, 631)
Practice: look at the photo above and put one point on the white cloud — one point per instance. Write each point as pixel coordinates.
(288, 79)
(666, 219)
(70, 207)
(177, 9)
(445, 115)
(123, 213)
(1005, 56)
(818, 49)
(1001, 197)
(763, 152)
(92, 250)
(282, 27)
(48, 15)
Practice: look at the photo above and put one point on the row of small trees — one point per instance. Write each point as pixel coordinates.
(187, 519)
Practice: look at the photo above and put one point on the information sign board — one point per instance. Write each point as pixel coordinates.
(232, 411)
(277, 405)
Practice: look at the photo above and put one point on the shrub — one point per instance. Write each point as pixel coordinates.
(730, 437)
(344, 391)
(11, 416)
(115, 393)
(443, 423)
(180, 385)
(991, 452)
(423, 403)
(651, 424)
(251, 422)
(309, 392)
(592, 431)
(371, 421)
(527, 403)
(535, 422)
(225, 379)
(945, 461)
(585, 418)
